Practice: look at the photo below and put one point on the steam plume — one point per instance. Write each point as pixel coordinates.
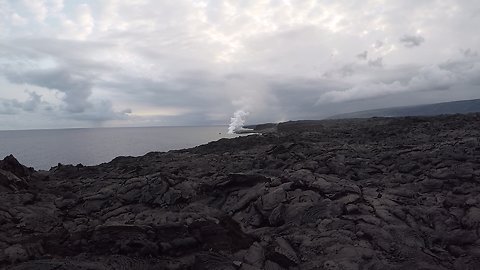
(237, 121)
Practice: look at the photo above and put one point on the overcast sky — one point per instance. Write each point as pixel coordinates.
(185, 62)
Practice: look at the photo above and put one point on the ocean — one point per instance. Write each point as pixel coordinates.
(43, 149)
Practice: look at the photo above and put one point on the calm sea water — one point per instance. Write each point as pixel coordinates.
(43, 149)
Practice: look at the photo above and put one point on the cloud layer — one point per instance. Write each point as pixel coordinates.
(192, 62)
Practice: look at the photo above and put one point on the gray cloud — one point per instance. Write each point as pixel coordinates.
(378, 62)
(33, 102)
(9, 106)
(469, 53)
(55, 67)
(342, 72)
(76, 88)
(184, 63)
(363, 55)
(378, 44)
(411, 41)
(13, 106)
(101, 111)
(441, 77)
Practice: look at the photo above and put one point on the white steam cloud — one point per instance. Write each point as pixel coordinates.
(237, 121)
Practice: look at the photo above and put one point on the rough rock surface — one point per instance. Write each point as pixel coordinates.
(399, 193)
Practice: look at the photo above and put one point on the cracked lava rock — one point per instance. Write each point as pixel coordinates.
(381, 193)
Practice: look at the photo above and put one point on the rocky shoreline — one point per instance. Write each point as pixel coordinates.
(382, 193)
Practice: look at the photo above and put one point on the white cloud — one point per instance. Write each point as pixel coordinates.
(80, 26)
(18, 20)
(37, 8)
(55, 6)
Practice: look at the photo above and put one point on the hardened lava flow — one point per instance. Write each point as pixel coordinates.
(382, 193)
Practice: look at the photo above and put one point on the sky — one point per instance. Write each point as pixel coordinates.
(68, 63)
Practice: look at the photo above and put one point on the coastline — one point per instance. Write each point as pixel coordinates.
(43, 149)
(379, 193)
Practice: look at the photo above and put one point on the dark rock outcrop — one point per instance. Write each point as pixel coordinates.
(397, 193)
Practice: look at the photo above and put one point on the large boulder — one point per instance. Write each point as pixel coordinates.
(11, 164)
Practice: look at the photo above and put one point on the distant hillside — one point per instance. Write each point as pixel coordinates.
(454, 107)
